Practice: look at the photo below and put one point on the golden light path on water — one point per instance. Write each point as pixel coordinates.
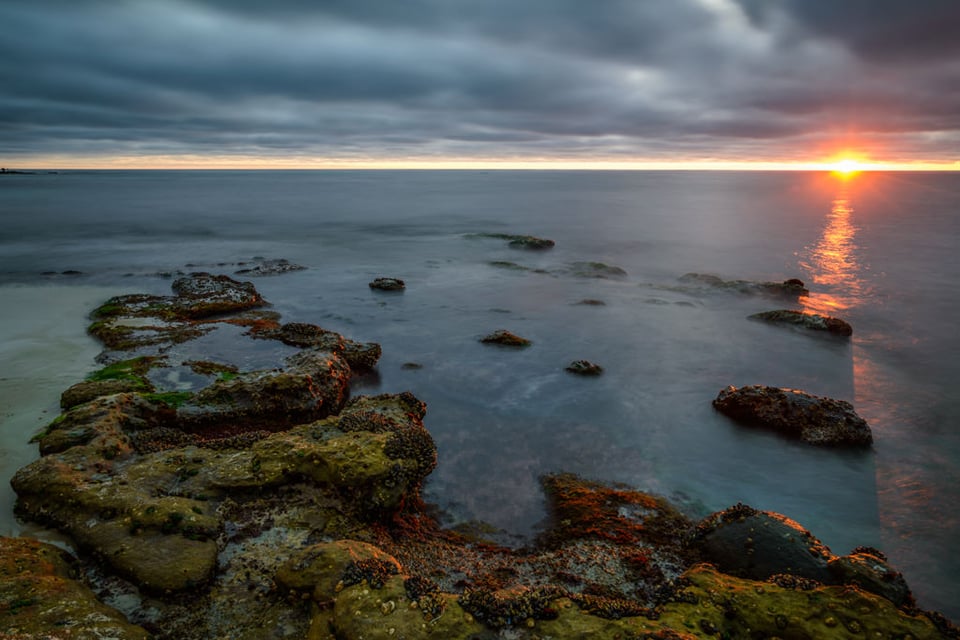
(840, 286)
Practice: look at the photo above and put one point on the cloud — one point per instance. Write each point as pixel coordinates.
(474, 78)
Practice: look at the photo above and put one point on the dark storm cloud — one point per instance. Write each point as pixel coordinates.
(367, 78)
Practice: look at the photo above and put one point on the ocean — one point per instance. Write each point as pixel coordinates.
(879, 250)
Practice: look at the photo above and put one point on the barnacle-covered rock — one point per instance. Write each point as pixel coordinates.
(813, 419)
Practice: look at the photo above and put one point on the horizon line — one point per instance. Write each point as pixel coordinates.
(161, 163)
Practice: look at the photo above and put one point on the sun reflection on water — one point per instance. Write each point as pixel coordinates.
(833, 262)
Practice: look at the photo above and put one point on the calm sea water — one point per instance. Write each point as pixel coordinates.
(879, 250)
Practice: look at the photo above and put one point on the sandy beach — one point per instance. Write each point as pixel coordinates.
(45, 348)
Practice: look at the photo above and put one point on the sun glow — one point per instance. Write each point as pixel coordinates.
(848, 167)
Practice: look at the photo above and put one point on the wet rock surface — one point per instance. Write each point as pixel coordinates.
(812, 321)
(813, 419)
(41, 598)
(388, 284)
(269, 503)
(584, 368)
(505, 338)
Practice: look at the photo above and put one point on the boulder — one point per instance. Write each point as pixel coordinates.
(813, 419)
(747, 543)
(813, 321)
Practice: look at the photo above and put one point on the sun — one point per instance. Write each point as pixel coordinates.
(847, 167)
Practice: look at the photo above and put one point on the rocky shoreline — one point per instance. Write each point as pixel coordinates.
(267, 502)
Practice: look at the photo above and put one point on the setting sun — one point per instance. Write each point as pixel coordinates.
(847, 167)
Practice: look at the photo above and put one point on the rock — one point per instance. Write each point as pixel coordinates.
(591, 302)
(128, 322)
(747, 543)
(869, 570)
(202, 295)
(388, 284)
(596, 270)
(374, 456)
(518, 241)
(584, 368)
(506, 339)
(270, 268)
(320, 569)
(792, 288)
(812, 321)
(361, 356)
(813, 419)
(313, 385)
(39, 597)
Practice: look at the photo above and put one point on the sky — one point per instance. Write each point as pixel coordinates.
(469, 83)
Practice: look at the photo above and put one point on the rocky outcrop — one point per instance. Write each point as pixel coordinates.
(265, 503)
(813, 321)
(39, 597)
(813, 419)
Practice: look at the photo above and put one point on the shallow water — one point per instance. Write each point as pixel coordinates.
(878, 250)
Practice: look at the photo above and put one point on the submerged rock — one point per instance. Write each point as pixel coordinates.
(506, 339)
(596, 270)
(388, 284)
(747, 543)
(792, 288)
(813, 419)
(518, 241)
(584, 368)
(270, 268)
(806, 320)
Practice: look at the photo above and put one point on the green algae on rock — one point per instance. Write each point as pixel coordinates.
(40, 598)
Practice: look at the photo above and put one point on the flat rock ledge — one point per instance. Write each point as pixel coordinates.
(812, 321)
(812, 419)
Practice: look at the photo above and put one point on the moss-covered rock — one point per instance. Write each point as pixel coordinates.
(39, 597)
